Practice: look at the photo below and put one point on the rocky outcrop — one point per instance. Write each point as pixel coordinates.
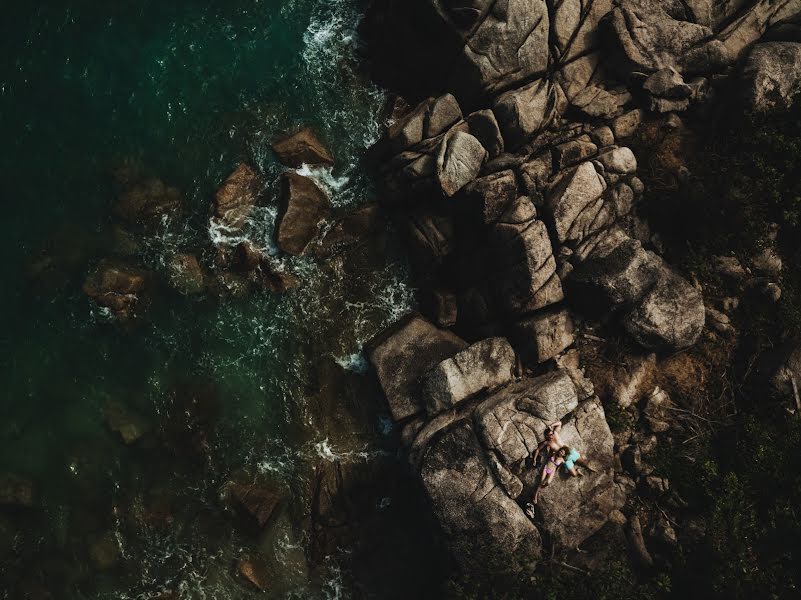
(525, 219)
(149, 203)
(303, 206)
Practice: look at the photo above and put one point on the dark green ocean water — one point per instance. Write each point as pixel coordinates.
(184, 91)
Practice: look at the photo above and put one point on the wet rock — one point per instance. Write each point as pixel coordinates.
(402, 354)
(104, 552)
(255, 499)
(302, 148)
(237, 196)
(186, 274)
(543, 335)
(523, 112)
(670, 317)
(303, 206)
(149, 203)
(119, 289)
(574, 508)
(230, 285)
(487, 198)
(16, 491)
(354, 228)
(245, 257)
(481, 366)
(130, 426)
(253, 570)
(427, 120)
(459, 161)
(486, 531)
(524, 266)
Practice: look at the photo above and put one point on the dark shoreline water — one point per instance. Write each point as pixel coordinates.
(274, 384)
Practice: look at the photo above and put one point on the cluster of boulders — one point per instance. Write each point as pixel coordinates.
(519, 197)
(122, 280)
(470, 422)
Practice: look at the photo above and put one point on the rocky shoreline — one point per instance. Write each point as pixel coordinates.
(521, 202)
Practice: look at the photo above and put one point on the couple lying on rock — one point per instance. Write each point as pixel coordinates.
(557, 454)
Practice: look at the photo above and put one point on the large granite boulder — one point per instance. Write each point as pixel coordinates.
(649, 35)
(752, 23)
(429, 119)
(511, 421)
(576, 205)
(619, 277)
(524, 266)
(771, 78)
(486, 531)
(670, 317)
(404, 353)
(574, 508)
(484, 365)
(488, 197)
(543, 335)
(509, 45)
(303, 206)
(459, 161)
(525, 111)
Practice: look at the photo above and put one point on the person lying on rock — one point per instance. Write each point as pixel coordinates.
(551, 440)
(571, 458)
(552, 463)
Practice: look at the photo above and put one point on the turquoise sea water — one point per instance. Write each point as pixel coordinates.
(184, 91)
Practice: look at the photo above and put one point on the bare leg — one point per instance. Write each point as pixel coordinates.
(574, 473)
(585, 463)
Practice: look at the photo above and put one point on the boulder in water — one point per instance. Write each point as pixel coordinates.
(237, 196)
(303, 206)
(16, 491)
(130, 426)
(302, 148)
(186, 274)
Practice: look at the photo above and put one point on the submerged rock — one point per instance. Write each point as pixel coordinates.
(118, 288)
(185, 274)
(130, 426)
(149, 203)
(16, 491)
(104, 552)
(303, 206)
(253, 570)
(302, 148)
(254, 499)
